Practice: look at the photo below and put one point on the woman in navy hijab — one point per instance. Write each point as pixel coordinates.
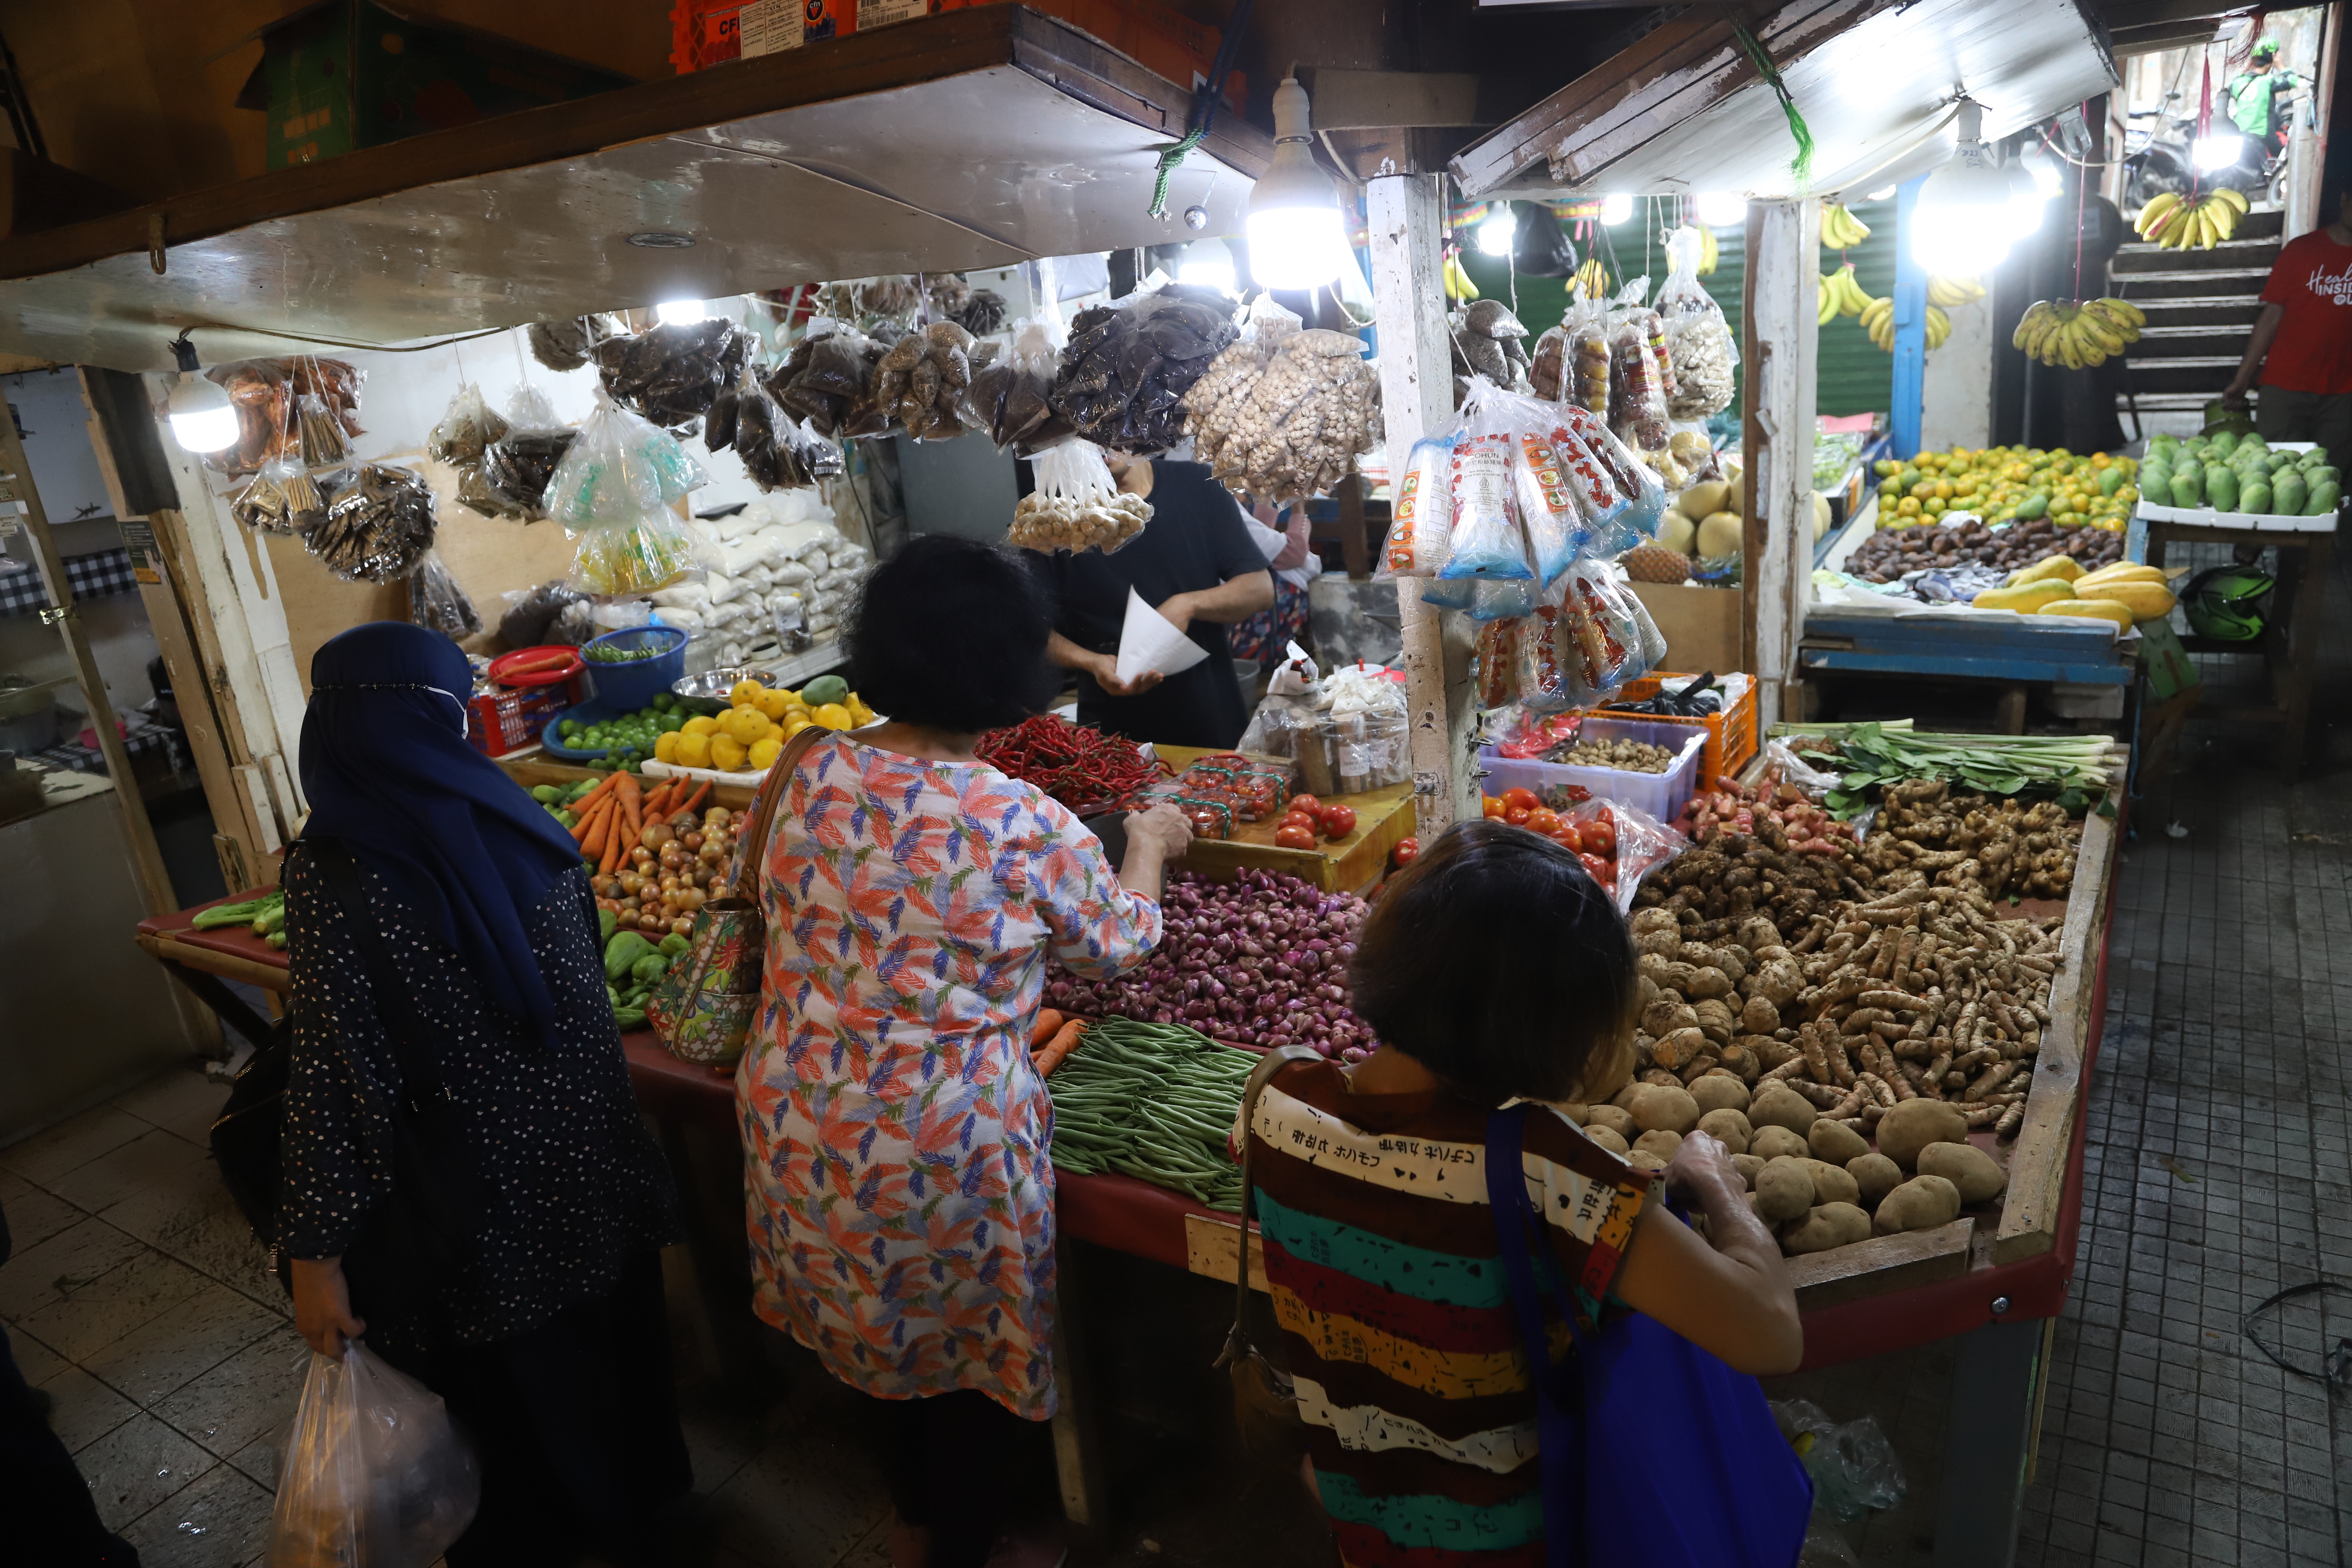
(447, 977)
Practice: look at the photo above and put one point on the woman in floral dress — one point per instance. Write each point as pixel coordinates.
(900, 1193)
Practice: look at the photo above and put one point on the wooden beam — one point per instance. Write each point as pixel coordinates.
(1780, 330)
(1882, 1264)
(1417, 397)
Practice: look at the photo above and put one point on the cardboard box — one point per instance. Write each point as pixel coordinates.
(1702, 625)
(352, 74)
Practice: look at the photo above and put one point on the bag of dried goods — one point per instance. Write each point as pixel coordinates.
(1488, 341)
(1488, 540)
(1698, 340)
(465, 429)
(673, 373)
(1128, 366)
(1637, 392)
(1631, 477)
(922, 379)
(264, 393)
(1423, 526)
(435, 600)
(1282, 413)
(1584, 326)
(377, 527)
(1007, 397)
(1077, 505)
(612, 494)
(515, 467)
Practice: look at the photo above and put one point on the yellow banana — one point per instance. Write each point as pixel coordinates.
(1825, 301)
(2132, 316)
(2235, 198)
(2097, 334)
(1939, 327)
(1708, 252)
(2157, 207)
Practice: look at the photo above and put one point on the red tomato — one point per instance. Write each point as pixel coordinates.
(1599, 835)
(1544, 820)
(1406, 852)
(1517, 816)
(1306, 803)
(1296, 819)
(1337, 821)
(1291, 836)
(1569, 837)
(1602, 870)
(1492, 804)
(1524, 799)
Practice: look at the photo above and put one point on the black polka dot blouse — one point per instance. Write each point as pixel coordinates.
(574, 1184)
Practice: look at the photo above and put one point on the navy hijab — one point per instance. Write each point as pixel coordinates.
(391, 777)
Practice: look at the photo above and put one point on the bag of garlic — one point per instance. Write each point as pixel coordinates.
(1077, 505)
(1281, 413)
(1698, 340)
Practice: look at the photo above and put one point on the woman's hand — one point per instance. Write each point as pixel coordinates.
(1105, 670)
(323, 1305)
(1169, 829)
(1701, 1174)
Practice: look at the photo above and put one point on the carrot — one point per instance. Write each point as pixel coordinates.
(616, 846)
(1048, 1023)
(694, 800)
(602, 792)
(656, 805)
(1064, 1041)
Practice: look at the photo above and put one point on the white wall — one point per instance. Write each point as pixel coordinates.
(56, 423)
(1956, 391)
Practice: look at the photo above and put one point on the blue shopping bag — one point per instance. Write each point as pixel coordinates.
(1652, 1450)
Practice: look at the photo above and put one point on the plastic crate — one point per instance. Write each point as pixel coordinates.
(508, 718)
(1659, 795)
(1730, 733)
(632, 684)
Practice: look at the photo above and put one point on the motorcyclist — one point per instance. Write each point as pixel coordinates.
(2256, 98)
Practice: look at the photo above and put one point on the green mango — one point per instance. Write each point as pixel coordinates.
(2110, 480)
(2317, 454)
(2225, 443)
(2277, 460)
(2289, 493)
(622, 951)
(2188, 487)
(2255, 496)
(2221, 487)
(2325, 500)
(2323, 474)
(824, 688)
(2034, 506)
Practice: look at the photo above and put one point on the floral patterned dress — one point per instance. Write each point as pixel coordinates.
(899, 1194)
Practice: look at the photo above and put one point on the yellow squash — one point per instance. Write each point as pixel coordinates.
(2121, 571)
(2091, 610)
(2025, 598)
(2146, 601)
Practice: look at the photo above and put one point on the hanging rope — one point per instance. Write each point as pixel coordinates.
(1204, 109)
(1801, 167)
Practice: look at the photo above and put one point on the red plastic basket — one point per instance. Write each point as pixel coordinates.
(509, 718)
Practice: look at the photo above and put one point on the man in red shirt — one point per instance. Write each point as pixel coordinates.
(2302, 346)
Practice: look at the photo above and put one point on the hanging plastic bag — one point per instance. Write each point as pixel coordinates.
(515, 467)
(1598, 628)
(435, 600)
(672, 373)
(376, 528)
(1423, 523)
(1498, 656)
(1492, 598)
(620, 466)
(1699, 343)
(323, 442)
(1128, 366)
(373, 1474)
(1008, 397)
(1615, 534)
(779, 452)
(1487, 540)
(1076, 504)
(465, 429)
(922, 380)
(1637, 395)
(1584, 326)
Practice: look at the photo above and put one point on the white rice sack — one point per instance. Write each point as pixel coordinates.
(792, 574)
(690, 622)
(760, 577)
(721, 587)
(745, 553)
(731, 653)
(684, 596)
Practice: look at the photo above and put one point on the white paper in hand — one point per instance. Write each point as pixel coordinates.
(1149, 644)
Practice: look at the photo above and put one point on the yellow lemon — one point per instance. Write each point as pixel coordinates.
(701, 724)
(665, 746)
(859, 710)
(693, 749)
(764, 753)
(773, 704)
(796, 723)
(726, 756)
(744, 725)
(834, 716)
(745, 693)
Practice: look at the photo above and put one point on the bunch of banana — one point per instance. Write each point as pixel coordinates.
(1840, 295)
(2168, 221)
(1708, 251)
(2077, 335)
(1954, 290)
(1457, 282)
(1878, 321)
(1593, 278)
(1939, 327)
(1841, 230)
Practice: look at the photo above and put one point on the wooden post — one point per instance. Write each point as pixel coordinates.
(1777, 442)
(1416, 398)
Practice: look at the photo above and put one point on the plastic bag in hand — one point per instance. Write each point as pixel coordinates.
(373, 1474)
(620, 467)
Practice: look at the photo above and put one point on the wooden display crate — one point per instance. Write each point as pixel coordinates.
(1383, 818)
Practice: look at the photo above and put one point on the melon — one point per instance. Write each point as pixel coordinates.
(1821, 515)
(1720, 533)
(1676, 531)
(1707, 496)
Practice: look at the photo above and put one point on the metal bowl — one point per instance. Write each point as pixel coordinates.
(707, 692)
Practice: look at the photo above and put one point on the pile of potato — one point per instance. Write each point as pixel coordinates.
(1801, 1003)
(1627, 756)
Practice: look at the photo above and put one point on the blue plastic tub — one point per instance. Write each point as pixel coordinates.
(623, 686)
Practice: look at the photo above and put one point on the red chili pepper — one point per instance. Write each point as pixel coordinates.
(1085, 769)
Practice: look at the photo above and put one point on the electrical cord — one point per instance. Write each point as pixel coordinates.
(2337, 1368)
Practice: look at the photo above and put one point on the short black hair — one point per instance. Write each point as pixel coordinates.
(1498, 964)
(950, 634)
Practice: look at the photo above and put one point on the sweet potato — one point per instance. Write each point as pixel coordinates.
(1835, 1142)
(1922, 1203)
(1784, 1190)
(1607, 1138)
(1727, 1126)
(1831, 1184)
(1828, 1225)
(1660, 1142)
(1877, 1175)
(1716, 1092)
(1916, 1124)
(1671, 1109)
(1775, 1141)
(1778, 1105)
(1977, 1174)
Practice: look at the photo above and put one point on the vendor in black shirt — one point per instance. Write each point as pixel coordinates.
(1196, 564)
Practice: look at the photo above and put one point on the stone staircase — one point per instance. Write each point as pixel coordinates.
(2200, 306)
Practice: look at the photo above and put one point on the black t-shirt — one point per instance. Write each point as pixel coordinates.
(1194, 541)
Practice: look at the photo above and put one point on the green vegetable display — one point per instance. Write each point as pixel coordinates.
(627, 739)
(245, 913)
(1155, 1101)
(633, 965)
(2073, 768)
(2227, 472)
(622, 951)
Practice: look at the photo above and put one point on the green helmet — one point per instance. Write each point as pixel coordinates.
(2227, 603)
(2265, 49)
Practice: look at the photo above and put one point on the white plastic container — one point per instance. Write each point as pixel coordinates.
(1659, 795)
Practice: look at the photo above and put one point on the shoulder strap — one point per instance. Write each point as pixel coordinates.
(419, 1078)
(751, 852)
(1276, 1060)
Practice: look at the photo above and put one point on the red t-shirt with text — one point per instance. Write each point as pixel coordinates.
(2312, 280)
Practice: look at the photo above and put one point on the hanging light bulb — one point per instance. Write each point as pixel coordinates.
(202, 418)
(1500, 227)
(1207, 264)
(2218, 150)
(1963, 222)
(1881, 195)
(1717, 209)
(681, 313)
(1615, 209)
(1295, 237)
